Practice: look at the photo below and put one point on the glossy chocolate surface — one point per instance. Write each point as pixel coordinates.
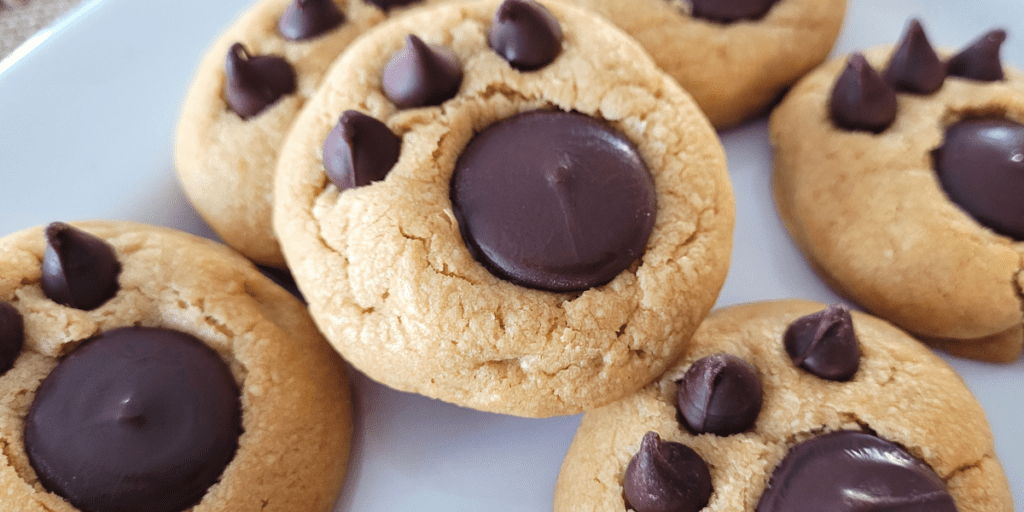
(420, 75)
(553, 200)
(915, 67)
(853, 472)
(861, 99)
(79, 270)
(525, 34)
(726, 11)
(980, 60)
(719, 394)
(254, 82)
(12, 336)
(134, 419)
(824, 343)
(981, 167)
(666, 477)
(359, 150)
(306, 19)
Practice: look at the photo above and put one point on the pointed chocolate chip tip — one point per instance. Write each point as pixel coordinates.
(861, 99)
(421, 75)
(525, 34)
(914, 66)
(79, 270)
(359, 150)
(980, 60)
(254, 82)
(824, 343)
(307, 19)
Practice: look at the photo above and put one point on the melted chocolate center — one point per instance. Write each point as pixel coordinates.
(981, 167)
(553, 200)
(853, 472)
(719, 394)
(727, 11)
(134, 419)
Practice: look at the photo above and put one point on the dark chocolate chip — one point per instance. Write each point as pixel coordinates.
(420, 75)
(12, 336)
(79, 270)
(981, 167)
(980, 60)
(525, 34)
(306, 19)
(254, 82)
(719, 394)
(824, 343)
(861, 98)
(853, 472)
(389, 4)
(914, 67)
(553, 200)
(134, 419)
(359, 150)
(666, 477)
(726, 11)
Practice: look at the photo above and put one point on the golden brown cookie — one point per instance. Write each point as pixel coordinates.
(140, 414)
(225, 159)
(872, 215)
(914, 409)
(735, 57)
(388, 276)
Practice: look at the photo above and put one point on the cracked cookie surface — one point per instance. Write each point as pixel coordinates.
(390, 281)
(226, 163)
(295, 403)
(870, 214)
(902, 393)
(733, 70)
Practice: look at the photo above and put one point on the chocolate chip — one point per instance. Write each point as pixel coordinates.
(553, 200)
(12, 336)
(824, 343)
(861, 98)
(981, 167)
(666, 477)
(134, 419)
(852, 472)
(306, 19)
(389, 4)
(254, 82)
(525, 34)
(914, 67)
(420, 74)
(980, 60)
(726, 11)
(79, 269)
(359, 150)
(719, 394)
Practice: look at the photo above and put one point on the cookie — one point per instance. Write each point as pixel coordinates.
(145, 368)
(245, 94)
(539, 237)
(763, 414)
(876, 185)
(735, 57)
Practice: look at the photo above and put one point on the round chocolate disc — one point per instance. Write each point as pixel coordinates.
(553, 200)
(134, 419)
(981, 167)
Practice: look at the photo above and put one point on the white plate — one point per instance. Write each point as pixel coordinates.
(87, 116)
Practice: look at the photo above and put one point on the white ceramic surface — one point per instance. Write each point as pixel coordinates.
(87, 116)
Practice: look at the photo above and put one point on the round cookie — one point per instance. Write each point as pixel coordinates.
(733, 69)
(132, 358)
(913, 407)
(869, 212)
(225, 160)
(391, 282)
